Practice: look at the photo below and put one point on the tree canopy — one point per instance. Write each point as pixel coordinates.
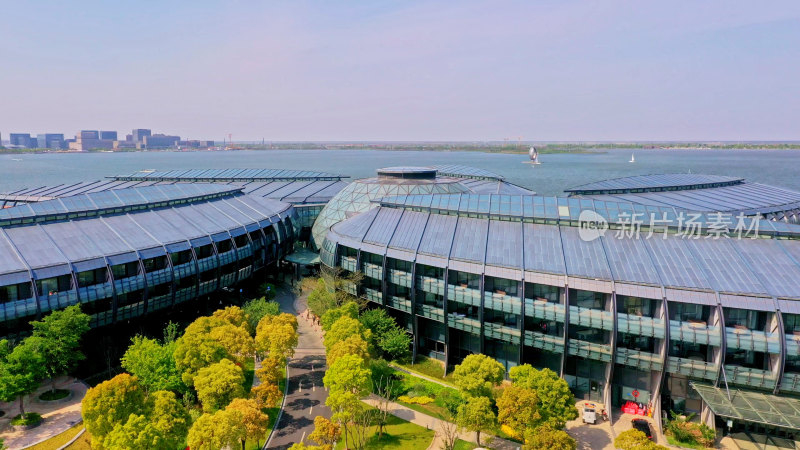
(276, 336)
(477, 375)
(518, 408)
(254, 420)
(476, 415)
(548, 437)
(349, 309)
(353, 345)
(556, 402)
(222, 429)
(154, 364)
(234, 315)
(110, 403)
(326, 432)
(193, 351)
(21, 370)
(389, 340)
(257, 309)
(343, 328)
(218, 384)
(58, 337)
(634, 439)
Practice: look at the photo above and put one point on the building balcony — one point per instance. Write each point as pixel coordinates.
(373, 295)
(400, 303)
(750, 377)
(373, 271)
(695, 332)
(245, 272)
(207, 287)
(227, 257)
(130, 284)
(400, 278)
(130, 311)
(544, 341)
(58, 300)
(585, 349)
(758, 341)
(349, 263)
(95, 292)
(227, 279)
(18, 309)
(692, 368)
(182, 295)
(465, 295)
(430, 284)
(542, 309)
(501, 332)
(350, 288)
(640, 326)
(245, 252)
(163, 276)
(102, 318)
(159, 302)
(463, 323)
(502, 302)
(592, 318)
(791, 382)
(640, 360)
(207, 264)
(431, 312)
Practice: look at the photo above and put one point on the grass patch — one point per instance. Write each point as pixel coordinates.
(58, 440)
(429, 367)
(249, 371)
(672, 441)
(58, 394)
(84, 442)
(464, 445)
(398, 434)
(30, 418)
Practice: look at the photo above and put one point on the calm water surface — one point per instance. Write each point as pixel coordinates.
(556, 173)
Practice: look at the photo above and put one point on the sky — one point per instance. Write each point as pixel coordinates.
(377, 70)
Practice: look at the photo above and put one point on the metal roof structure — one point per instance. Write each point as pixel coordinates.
(698, 193)
(357, 197)
(112, 202)
(655, 183)
(770, 410)
(228, 175)
(757, 273)
(458, 171)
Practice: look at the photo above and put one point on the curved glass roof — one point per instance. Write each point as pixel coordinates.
(113, 202)
(655, 182)
(458, 171)
(228, 175)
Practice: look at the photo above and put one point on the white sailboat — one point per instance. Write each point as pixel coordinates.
(534, 155)
(633, 159)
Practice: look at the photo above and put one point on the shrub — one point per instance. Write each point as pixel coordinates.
(450, 400)
(684, 431)
(421, 400)
(30, 418)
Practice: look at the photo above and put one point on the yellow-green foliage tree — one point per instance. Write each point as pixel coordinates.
(235, 316)
(164, 425)
(556, 402)
(352, 345)
(222, 429)
(271, 372)
(193, 351)
(254, 420)
(548, 437)
(478, 375)
(349, 309)
(154, 364)
(518, 408)
(218, 384)
(236, 340)
(276, 336)
(347, 381)
(110, 403)
(635, 440)
(343, 328)
(476, 415)
(326, 432)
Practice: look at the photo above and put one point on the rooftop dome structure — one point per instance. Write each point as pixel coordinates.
(357, 197)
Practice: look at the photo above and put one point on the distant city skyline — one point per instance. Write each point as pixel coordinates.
(405, 71)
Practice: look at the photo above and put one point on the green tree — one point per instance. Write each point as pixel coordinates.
(254, 420)
(321, 298)
(518, 408)
(135, 433)
(388, 339)
(234, 315)
(476, 415)
(111, 403)
(349, 309)
(548, 437)
(58, 336)
(635, 440)
(347, 381)
(222, 429)
(169, 418)
(257, 309)
(343, 328)
(395, 344)
(21, 370)
(218, 384)
(236, 340)
(477, 375)
(153, 364)
(556, 402)
(193, 351)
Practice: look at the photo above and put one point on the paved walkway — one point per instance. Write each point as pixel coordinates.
(306, 394)
(58, 417)
(433, 423)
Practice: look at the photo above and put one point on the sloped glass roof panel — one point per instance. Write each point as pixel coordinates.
(776, 270)
(9, 262)
(504, 246)
(543, 250)
(629, 260)
(438, 235)
(751, 406)
(384, 225)
(36, 248)
(724, 267)
(469, 241)
(409, 230)
(584, 258)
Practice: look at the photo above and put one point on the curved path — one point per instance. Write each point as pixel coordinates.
(306, 394)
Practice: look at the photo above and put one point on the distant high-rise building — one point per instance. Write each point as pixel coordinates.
(88, 134)
(53, 141)
(140, 133)
(110, 135)
(159, 141)
(129, 137)
(20, 140)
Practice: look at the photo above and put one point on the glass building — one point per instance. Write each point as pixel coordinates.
(679, 321)
(123, 253)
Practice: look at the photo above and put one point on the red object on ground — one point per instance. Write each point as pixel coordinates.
(633, 408)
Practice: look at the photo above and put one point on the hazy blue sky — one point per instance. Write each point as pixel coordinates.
(402, 70)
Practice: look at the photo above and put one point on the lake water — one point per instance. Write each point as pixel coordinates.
(556, 173)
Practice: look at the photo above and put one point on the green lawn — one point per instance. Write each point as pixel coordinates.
(398, 434)
(58, 440)
(464, 445)
(674, 442)
(429, 367)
